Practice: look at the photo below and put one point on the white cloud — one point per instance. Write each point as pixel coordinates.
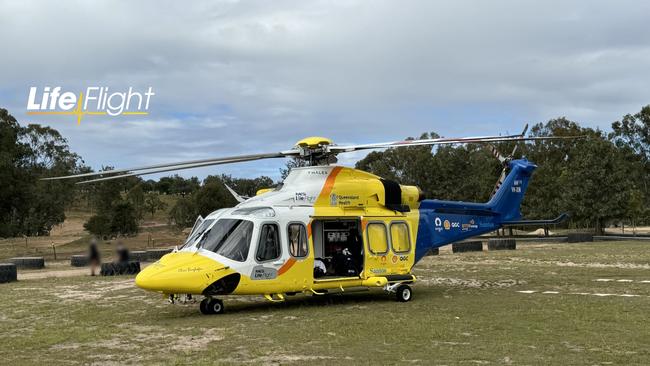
(237, 77)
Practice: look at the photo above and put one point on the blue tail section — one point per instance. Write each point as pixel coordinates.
(444, 222)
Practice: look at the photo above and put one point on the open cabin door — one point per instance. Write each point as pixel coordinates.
(338, 248)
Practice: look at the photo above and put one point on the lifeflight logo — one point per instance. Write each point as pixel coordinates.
(98, 101)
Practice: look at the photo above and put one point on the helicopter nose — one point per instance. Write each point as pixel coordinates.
(181, 273)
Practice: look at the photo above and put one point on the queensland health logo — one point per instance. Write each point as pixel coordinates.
(95, 100)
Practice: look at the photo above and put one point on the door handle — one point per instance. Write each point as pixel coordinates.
(277, 263)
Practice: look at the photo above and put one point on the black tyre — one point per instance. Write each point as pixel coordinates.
(467, 246)
(502, 244)
(79, 261)
(203, 306)
(8, 272)
(579, 237)
(28, 262)
(210, 306)
(216, 306)
(404, 293)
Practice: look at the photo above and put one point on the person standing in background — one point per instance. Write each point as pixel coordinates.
(93, 256)
(122, 252)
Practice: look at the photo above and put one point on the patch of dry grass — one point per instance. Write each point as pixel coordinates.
(506, 307)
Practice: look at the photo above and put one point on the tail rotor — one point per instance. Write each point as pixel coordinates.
(504, 160)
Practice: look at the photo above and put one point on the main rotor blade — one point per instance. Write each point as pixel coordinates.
(188, 164)
(444, 141)
(167, 169)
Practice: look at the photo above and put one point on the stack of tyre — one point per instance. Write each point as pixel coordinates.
(79, 260)
(28, 262)
(139, 256)
(580, 237)
(467, 246)
(120, 268)
(8, 272)
(502, 244)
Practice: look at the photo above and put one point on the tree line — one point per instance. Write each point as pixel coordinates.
(599, 180)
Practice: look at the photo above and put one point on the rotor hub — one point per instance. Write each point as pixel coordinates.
(315, 150)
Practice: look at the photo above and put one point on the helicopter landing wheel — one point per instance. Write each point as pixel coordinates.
(404, 293)
(211, 306)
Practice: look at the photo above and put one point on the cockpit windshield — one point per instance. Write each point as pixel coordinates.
(196, 233)
(230, 238)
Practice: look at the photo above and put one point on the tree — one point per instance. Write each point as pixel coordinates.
(121, 210)
(632, 135)
(153, 203)
(544, 198)
(28, 205)
(124, 219)
(177, 185)
(183, 213)
(212, 196)
(595, 180)
(466, 173)
(595, 188)
(99, 225)
(136, 196)
(245, 186)
(634, 131)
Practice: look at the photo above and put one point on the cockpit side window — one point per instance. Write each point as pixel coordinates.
(230, 238)
(297, 240)
(269, 243)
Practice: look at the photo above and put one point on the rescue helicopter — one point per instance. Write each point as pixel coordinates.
(326, 228)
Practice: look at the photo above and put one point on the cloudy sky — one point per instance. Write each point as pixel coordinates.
(236, 77)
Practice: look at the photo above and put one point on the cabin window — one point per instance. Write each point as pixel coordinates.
(230, 238)
(269, 244)
(377, 238)
(297, 240)
(399, 235)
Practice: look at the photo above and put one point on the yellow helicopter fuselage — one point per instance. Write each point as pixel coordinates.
(329, 200)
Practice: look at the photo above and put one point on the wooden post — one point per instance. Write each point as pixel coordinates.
(54, 250)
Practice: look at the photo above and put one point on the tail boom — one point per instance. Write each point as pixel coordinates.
(445, 222)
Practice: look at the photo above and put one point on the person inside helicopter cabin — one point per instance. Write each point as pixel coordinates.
(93, 256)
(122, 252)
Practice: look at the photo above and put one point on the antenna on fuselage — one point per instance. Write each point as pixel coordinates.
(238, 197)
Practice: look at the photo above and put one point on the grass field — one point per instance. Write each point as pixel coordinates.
(541, 304)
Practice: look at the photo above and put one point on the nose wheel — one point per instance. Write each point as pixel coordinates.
(210, 306)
